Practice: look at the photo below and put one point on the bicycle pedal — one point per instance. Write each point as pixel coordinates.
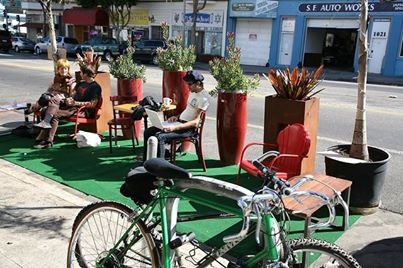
(181, 240)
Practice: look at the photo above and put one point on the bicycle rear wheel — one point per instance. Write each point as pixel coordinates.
(318, 253)
(96, 230)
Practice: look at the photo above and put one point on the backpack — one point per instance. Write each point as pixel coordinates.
(147, 102)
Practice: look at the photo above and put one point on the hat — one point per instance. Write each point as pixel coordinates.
(193, 76)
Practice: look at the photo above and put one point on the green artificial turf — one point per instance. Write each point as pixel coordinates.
(97, 172)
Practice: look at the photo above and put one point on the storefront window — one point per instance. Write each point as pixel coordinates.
(213, 43)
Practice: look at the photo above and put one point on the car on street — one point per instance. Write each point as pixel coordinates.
(105, 46)
(146, 50)
(5, 40)
(22, 44)
(68, 43)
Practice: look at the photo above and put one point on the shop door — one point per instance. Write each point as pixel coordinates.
(286, 48)
(377, 47)
(253, 37)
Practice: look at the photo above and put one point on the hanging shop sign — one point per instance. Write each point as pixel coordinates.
(253, 8)
(212, 19)
(350, 7)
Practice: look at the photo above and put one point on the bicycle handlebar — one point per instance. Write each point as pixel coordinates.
(283, 186)
(269, 198)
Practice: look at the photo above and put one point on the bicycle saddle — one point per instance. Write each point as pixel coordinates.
(161, 168)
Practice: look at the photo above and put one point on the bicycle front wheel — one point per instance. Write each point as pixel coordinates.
(97, 229)
(318, 253)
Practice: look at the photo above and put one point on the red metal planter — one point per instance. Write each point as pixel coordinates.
(175, 88)
(232, 117)
(132, 88)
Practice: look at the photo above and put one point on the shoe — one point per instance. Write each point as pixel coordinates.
(43, 125)
(43, 145)
(38, 141)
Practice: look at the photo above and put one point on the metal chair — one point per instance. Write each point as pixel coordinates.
(285, 157)
(121, 122)
(86, 120)
(196, 139)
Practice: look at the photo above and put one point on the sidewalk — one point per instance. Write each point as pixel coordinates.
(36, 215)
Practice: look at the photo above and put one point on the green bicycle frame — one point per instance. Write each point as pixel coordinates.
(164, 193)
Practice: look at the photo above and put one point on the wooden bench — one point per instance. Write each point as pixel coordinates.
(306, 206)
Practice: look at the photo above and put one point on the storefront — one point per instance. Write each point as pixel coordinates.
(146, 19)
(316, 32)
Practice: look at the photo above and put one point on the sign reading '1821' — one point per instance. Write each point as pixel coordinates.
(351, 7)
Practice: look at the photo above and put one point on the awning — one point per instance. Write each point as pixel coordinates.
(85, 16)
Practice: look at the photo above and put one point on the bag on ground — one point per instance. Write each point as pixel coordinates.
(87, 139)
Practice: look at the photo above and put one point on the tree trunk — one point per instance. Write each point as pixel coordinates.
(52, 34)
(359, 146)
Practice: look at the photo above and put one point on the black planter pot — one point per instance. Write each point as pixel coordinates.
(368, 178)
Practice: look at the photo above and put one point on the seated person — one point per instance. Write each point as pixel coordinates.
(198, 101)
(87, 94)
(63, 84)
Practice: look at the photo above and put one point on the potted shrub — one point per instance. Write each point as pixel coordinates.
(364, 165)
(232, 107)
(130, 77)
(175, 59)
(104, 80)
(294, 102)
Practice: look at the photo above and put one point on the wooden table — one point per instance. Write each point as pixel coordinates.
(306, 206)
(130, 107)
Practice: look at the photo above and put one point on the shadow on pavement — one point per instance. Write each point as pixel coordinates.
(381, 253)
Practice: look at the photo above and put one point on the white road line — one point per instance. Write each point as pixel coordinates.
(336, 141)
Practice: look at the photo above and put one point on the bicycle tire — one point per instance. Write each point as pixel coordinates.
(331, 255)
(96, 230)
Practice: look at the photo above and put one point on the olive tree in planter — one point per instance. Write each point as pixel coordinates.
(364, 165)
(130, 77)
(232, 107)
(294, 102)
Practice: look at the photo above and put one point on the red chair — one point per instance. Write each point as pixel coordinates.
(196, 139)
(120, 122)
(86, 120)
(285, 157)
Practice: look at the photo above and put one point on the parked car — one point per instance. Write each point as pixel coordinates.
(146, 50)
(67, 43)
(5, 40)
(105, 46)
(21, 43)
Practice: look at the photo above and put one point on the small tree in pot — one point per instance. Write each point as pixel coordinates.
(294, 102)
(130, 78)
(365, 166)
(232, 110)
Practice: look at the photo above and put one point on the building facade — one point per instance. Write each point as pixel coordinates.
(146, 19)
(291, 32)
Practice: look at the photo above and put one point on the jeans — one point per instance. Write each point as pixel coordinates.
(163, 138)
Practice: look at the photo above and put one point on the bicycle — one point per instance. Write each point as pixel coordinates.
(109, 234)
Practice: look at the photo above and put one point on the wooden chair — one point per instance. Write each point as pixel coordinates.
(120, 122)
(285, 157)
(86, 120)
(196, 139)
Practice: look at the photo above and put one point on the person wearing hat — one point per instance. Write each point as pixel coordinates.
(87, 93)
(198, 101)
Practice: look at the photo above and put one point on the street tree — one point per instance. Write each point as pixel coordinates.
(118, 11)
(48, 13)
(196, 7)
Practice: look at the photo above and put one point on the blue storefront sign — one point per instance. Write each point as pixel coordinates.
(350, 7)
